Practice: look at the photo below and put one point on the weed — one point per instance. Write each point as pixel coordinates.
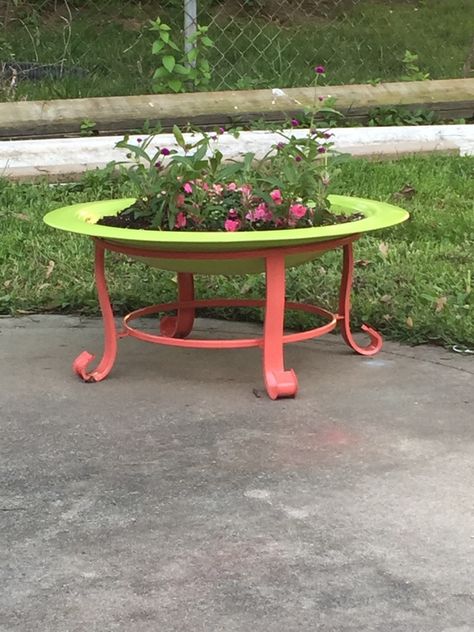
(179, 70)
(412, 70)
(402, 116)
(88, 128)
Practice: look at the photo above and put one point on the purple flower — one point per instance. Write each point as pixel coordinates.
(221, 130)
(321, 150)
(280, 145)
(158, 166)
(321, 98)
(295, 122)
(139, 140)
(298, 158)
(327, 134)
(165, 151)
(320, 70)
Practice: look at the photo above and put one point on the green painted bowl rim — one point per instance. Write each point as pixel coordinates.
(73, 218)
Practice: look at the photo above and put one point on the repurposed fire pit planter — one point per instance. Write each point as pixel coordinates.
(241, 252)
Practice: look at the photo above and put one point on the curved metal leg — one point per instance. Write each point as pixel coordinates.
(376, 340)
(279, 383)
(181, 325)
(107, 361)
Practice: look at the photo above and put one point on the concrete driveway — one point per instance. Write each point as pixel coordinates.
(172, 497)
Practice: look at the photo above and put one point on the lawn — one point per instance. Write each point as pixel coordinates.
(365, 43)
(413, 282)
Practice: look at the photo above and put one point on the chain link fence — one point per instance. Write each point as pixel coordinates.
(74, 48)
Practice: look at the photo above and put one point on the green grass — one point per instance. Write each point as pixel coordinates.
(365, 43)
(420, 290)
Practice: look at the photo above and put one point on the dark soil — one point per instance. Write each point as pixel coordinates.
(126, 219)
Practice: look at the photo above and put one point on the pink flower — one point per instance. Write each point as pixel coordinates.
(231, 225)
(180, 199)
(246, 189)
(180, 220)
(276, 196)
(321, 98)
(188, 187)
(295, 122)
(320, 70)
(218, 188)
(261, 213)
(232, 186)
(298, 210)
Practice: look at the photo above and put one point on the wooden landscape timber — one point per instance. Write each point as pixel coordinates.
(449, 98)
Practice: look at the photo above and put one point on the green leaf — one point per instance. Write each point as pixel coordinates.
(330, 111)
(175, 84)
(155, 24)
(158, 45)
(174, 46)
(165, 36)
(248, 160)
(207, 41)
(183, 160)
(169, 62)
(160, 73)
(165, 27)
(200, 153)
(134, 149)
(179, 136)
(181, 70)
(192, 55)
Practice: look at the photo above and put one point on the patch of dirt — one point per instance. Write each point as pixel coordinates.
(131, 24)
(127, 219)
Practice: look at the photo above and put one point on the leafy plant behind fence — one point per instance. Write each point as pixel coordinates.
(105, 47)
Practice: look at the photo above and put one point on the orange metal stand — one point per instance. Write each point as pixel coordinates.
(174, 329)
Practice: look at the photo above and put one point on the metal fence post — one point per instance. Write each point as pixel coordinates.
(190, 24)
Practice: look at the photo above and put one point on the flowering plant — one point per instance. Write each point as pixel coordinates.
(194, 189)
